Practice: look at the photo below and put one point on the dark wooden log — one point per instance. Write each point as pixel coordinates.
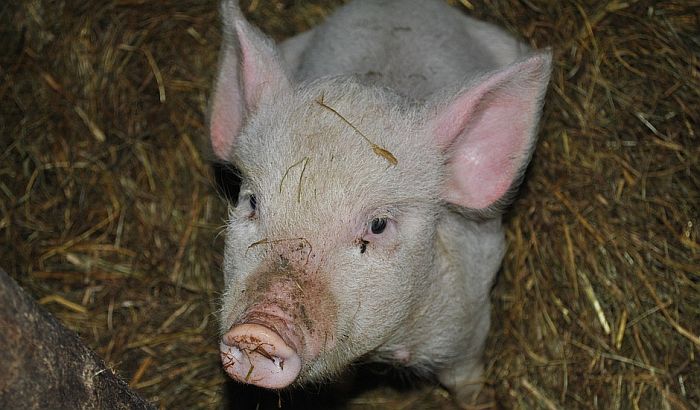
(43, 365)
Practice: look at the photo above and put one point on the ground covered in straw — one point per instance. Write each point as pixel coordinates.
(108, 215)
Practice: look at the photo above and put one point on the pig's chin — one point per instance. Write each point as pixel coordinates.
(264, 349)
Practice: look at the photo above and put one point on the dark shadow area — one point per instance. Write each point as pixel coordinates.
(227, 180)
(338, 395)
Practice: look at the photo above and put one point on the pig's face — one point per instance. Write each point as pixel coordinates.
(330, 242)
(331, 246)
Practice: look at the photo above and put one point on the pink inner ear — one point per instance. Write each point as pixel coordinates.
(227, 109)
(251, 72)
(260, 65)
(241, 83)
(488, 131)
(488, 155)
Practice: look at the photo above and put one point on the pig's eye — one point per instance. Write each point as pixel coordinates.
(253, 202)
(378, 225)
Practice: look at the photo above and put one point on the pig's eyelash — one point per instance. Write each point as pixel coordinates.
(253, 202)
(248, 202)
(230, 215)
(253, 205)
(390, 214)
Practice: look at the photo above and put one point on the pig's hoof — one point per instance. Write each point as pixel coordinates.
(254, 354)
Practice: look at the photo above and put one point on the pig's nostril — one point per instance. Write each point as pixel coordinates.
(255, 354)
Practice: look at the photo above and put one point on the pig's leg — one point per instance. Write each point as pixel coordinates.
(464, 377)
(464, 381)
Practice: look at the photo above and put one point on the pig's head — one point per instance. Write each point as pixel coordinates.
(331, 242)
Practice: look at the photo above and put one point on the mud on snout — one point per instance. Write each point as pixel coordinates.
(288, 320)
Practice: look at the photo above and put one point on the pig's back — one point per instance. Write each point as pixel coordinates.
(413, 46)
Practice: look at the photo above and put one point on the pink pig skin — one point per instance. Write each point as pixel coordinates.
(376, 151)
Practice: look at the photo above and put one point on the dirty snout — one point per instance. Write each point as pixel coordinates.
(289, 319)
(254, 352)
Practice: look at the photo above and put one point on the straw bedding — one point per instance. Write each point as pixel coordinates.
(110, 218)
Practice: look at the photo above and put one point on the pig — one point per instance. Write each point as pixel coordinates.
(377, 152)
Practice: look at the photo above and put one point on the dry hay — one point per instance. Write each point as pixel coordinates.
(108, 215)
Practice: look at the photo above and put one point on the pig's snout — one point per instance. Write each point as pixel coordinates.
(255, 354)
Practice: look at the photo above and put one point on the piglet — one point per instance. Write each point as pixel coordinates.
(377, 152)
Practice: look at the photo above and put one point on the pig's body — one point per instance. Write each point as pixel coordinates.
(376, 150)
(415, 47)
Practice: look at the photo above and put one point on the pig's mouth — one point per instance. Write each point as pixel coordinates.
(262, 349)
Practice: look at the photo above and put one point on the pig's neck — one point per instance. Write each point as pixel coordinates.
(456, 305)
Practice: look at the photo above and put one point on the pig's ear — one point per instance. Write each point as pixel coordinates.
(250, 68)
(488, 133)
